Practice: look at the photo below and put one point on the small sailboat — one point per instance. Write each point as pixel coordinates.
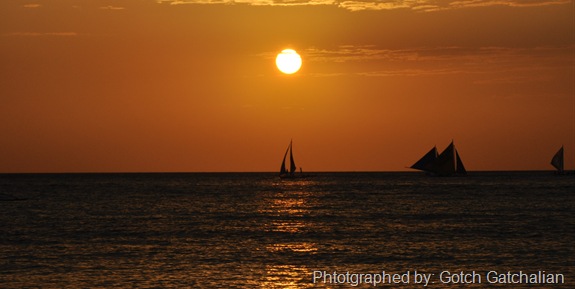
(557, 161)
(284, 172)
(448, 163)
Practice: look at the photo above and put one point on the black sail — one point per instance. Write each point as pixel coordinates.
(557, 160)
(427, 161)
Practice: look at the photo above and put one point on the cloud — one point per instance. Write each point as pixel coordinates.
(513, 3)
(109, 7)
(361, 5)
(352, 53)
(368, 60)
(438, 5)
(371, 5)
(348, 53)
(250, 2)
(32, 5)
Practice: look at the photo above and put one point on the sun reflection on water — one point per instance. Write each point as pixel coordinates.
(293, 247)
(287, 226)
(287, 213)
(285, 277)
(291, 206)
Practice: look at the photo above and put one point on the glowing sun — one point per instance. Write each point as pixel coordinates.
(288, 61)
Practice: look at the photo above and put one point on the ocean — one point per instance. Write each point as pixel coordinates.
(253, 230)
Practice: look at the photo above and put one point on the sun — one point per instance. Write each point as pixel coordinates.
(288, 61)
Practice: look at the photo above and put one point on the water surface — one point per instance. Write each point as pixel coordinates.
(253, 230)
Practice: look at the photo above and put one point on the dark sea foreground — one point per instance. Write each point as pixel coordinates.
(253, 230)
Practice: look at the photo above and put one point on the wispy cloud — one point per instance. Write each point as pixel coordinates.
(347, 53)
(441, 60)
(109, 7)
(251, 2)
(438, 5)
(32, 5)
(360, 5)
(513, 3)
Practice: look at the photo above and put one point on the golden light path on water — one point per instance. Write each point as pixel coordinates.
(288, 210)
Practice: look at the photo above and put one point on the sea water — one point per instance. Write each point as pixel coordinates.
(254, 230)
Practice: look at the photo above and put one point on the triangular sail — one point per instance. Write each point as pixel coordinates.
(427, 161)
(283, 170)
(460, 168)
(557, 160)
(292, 166)
(445, 163)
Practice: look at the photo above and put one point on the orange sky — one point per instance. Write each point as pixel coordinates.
(165, 86)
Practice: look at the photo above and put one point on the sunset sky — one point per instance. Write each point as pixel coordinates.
(192, 86)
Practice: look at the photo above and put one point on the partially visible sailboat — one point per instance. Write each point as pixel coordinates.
(557, 161)
(448, 163)
(284, 172)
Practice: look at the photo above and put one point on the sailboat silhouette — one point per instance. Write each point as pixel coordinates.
(284, 172)
(448, 163)
(558, 162)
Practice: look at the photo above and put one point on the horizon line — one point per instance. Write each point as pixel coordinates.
(259, 172)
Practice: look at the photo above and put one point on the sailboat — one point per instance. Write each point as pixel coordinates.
(557, 161)
(284, 172)
(448, 163)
